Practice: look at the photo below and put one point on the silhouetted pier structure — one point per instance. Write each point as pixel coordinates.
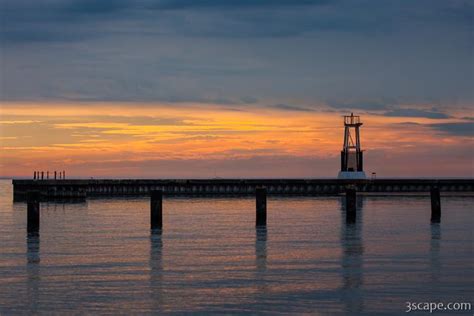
(35, 191)
(81, 189)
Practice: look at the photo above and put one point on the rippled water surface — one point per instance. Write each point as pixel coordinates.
(100, 257)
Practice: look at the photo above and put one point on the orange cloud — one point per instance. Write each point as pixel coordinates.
(77, 136)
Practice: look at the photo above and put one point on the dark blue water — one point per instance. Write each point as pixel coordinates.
(99, 257)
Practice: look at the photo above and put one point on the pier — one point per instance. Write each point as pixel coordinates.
(83, 189)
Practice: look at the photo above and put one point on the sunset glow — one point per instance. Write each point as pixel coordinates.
(205, 140)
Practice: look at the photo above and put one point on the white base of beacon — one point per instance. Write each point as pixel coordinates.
(351, 175)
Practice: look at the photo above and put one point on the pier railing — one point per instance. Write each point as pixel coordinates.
(81, 189)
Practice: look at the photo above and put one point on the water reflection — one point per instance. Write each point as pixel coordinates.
(352, 217)
(54, 206)
(261, 257)
(352, 259)
(156, 270)
(33, 270)
(261, 249)
(435, 253)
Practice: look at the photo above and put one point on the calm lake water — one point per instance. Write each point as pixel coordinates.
(99, 256)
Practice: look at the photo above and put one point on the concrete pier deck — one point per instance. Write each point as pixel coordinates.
(82, 189)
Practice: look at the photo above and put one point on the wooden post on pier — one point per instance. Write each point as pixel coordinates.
(156, 209)
(42, 175)
(34, 175)
(435, 205)
(261, 204)
(351, 205)
(33, 211)
(55, 174)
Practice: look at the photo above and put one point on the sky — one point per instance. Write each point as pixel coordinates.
(235, 88)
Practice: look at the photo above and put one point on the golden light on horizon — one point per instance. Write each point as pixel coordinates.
(75, 136)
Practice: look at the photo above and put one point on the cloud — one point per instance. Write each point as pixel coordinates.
(181, 140)
(408, 124)
(289, 107)
(456, 129)
(389, 108)
(416, 113)
(74, 20)
(98, 7)
(368, 105)
(249, 100)
(186, 4)
(210, 51)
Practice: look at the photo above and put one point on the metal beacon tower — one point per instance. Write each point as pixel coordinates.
(351, 154)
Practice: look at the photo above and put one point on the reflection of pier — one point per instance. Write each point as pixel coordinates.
(74, 189)
(352, 261)
(261, 259)
(434, 254)
(261, 248)
(156, 270)
(33, 270)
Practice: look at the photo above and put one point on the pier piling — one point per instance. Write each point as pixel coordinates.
(351, 205)
(33, 211)
(261, 204)
(435, 205)
(156, 209)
